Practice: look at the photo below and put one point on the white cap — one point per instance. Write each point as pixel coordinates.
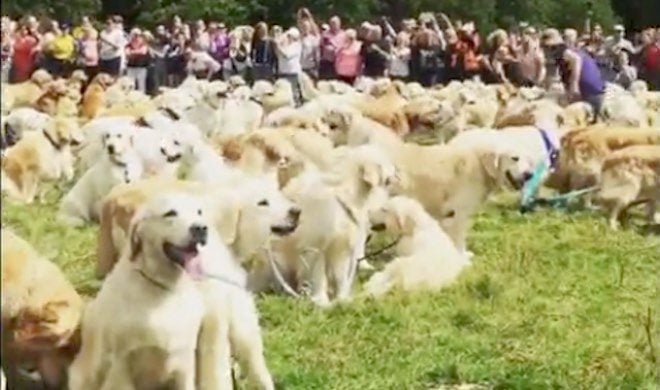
(619, 27)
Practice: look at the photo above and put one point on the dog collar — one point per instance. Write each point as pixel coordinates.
(52, 141)
(550, 149)
(152, 280)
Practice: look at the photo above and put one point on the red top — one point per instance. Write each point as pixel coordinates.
(652, 57)
(23, 59)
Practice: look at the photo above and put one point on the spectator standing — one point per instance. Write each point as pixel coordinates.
(62, 52)
(311, 49)
(201, 64)
(201, 36)
(626, 73)
(89, 52)
(331, 40)
(111, 48)
(138, 59)
(399, 61)
(26, 46)
(649, 61)
(239, 56)
(158, 47)
(289, 50)
(175, 60)
(375, 52)
(531, 58)
(262, 53)
(348, 62)
(428, 49)
(219, 44)
(578, 70)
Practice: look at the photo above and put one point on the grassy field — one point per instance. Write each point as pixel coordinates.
(553, 300)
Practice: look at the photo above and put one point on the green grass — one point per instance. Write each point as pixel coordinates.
(552, 301)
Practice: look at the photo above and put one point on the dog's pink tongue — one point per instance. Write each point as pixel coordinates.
(193, 266)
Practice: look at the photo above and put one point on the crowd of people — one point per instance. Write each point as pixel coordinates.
(428, 49)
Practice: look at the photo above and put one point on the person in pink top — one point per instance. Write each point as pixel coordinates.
(348, 59)
(89, 51)
(332, 39)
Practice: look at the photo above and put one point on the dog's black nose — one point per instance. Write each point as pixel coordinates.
(294, 213)
(527, 176)
(111, 149)
(199, 233)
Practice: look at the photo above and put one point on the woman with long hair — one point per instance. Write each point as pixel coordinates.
(262, 53)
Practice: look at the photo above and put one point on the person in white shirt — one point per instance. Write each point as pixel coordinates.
(111, 48)
(399, 67)
(201, 64)
(311, 49)
(289, 51)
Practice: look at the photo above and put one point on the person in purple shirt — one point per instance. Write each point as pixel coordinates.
(219, 49)
(578, 70)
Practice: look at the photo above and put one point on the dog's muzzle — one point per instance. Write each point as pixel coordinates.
(292, 223)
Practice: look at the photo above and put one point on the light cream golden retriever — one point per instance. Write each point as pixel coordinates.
(426, 257)
(629, 175)
(141, 331)
(332, 231)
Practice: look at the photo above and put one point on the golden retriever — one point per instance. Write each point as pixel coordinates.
(26, 93)
(426, 257)
(93, 100)
(141, 330)
(44, 155)
(628, 175)
(41, 312)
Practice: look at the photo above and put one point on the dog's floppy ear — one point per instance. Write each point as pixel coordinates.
(227, 222)
(490, 162)
(134, 239)
(404, 221)
(370, 174)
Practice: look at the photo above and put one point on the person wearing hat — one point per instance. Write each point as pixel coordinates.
(578, 70)
(138, 59)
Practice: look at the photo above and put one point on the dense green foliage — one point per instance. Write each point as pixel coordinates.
(487, 13)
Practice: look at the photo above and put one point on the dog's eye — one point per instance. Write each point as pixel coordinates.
(199, 212)
(170, 214)
(450, 214)
(515, 158)
(263, 203)
(119, 135)
(107, 136)
(177, 143)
